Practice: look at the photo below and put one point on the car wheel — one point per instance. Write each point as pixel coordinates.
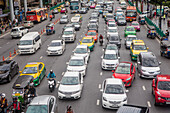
(161, 53)
(34, 50)
(9, 78)
(22, 34)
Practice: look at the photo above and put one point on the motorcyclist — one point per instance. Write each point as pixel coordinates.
(53, 14)
(16, 105)
(32, 90)
(51, 17)
(3, 103)
(69, 109)
(52, 75)
(101, 39)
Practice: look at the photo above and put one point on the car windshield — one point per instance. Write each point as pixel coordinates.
(123, 69)
(37, 109)
(76, 62)
(110, 56)
(68, 32)
(164, 85)
(109, 16)
(139, 47)
(29, 70)
(87, 41)
(131, 38)
(150, 62)
(55, 44)
(4, 68)
(91, 33)
(81, 50)
(105, 12)
(114, 89)
(112, 30)
(110, 47)
(130, 29)
(111, 25)
(25, 42)
(121, 18)
(70, 81)
(135, 24)
(114, 38)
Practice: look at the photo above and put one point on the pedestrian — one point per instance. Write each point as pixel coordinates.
(164, 17)
(166, 13)
(16, 21)
(3, 103)
(167, 34)
(10, 24)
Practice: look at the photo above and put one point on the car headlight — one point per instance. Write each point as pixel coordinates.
(103, 63)
(124, 99)
(104, 98)
(76, 92)
(128, 78)
(143, 70)
(81, 70)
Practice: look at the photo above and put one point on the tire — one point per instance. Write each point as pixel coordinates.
(156, 104)
(22, 34)
(51, 90)
(9, 78)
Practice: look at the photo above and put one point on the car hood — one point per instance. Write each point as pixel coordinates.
(33, 75)
(150, 69)
(111, 61)
(83, 55)
(136, 26)
(111, 33)
(76, 68)
(55, 48)
(121, 76)
(88, 44)
(128, 42)
(67, 35)
(115, 97)
(69, 88)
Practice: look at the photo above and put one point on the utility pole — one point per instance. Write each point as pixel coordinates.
(160, 18)
(11, 10)
(137, 3)
(41, 4)
(25, 7)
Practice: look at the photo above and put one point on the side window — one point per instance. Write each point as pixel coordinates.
(40, 66)
(156, 81)
(37, 38)
(12, 65)
(132, 68)
(51, 104)
(62, 42)
(104, 85)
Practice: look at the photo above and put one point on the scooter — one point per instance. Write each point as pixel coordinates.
(30, 98)
(51, 84)
(101, 42)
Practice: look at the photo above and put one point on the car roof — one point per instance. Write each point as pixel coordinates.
(69, 29)
(87, 38)
(92, 31)
(148, 54)
(131, 36)
(33, 63)
(114, 81)
(66, 74)
(110, 52)
(137, 41)
(41, 100)
(76, 57)
(64, 16)
(163, 77)
(56, 40)
(112, 28)
(31, 36)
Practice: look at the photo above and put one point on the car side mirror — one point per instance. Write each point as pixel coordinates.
(86, 34)
(17, 44)
(113, 71)
(160, 63)
(118, 57)
(20, 71)
(89, 51)
(126, 91)
(67, 63)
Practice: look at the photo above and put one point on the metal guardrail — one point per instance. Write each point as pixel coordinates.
(57, 6)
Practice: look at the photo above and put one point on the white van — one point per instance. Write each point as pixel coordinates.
(29, 43)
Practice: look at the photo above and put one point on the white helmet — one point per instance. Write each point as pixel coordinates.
(3, 95)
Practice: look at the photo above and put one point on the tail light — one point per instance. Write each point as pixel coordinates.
(28, 24)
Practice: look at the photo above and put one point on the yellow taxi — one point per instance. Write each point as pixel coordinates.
(36, 70)
(89, 41)
(137, 46)
(79, 15)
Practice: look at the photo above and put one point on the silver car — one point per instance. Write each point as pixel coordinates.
(43, 104)
(64, 19)
(129, 39)
(18, 31)
(148, 65)
(28, 24)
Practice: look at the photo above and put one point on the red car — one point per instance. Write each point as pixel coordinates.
(92, 33)
(93, 6)
(63, 10)
(161, 89)
(125, 71)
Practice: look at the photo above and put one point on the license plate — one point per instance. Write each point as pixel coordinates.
(167, 102)
(130, 19)
(114, 105)
(17, 94)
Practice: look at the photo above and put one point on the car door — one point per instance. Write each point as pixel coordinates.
(12, 69)
(51, 105)
(40, 67)
(63, 44)
(139, 62)
(81, 80)
(132, 71)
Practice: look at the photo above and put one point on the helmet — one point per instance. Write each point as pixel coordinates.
(51, 71)
(3, 95)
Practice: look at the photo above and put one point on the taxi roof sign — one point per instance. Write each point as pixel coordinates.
(32, 63)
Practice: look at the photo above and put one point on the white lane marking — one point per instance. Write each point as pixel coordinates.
(41, 57)
(101, 73)
(4, 35)
(0, 47)
(57, 85)
(103, 49)
(7, 43)
(149, 104)
(98, 102)
(157, 40)
(144, 88)
(62, 73)
(100, 86)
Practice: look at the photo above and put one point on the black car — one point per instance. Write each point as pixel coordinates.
(93, 26)
(8, 69)
(114, 39)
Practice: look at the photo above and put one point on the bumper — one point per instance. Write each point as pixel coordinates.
(77, 28)
(130, 19)
(162, 101)
(106, 67)
(69, 96)
(29, 51)
(36, 82)
(68, 39)
(128, 46)
(107, 104)
(63, 22)
(148, 75)
(123, 24)
(16, 35)
(54, 52)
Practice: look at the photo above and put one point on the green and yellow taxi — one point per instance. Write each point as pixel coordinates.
(129, 30)
(36, 70)
(79, 15)
(89, 41)
(137, 46)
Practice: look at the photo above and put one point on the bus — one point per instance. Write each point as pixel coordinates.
(37, 15)
(131, 13)
(74, 6)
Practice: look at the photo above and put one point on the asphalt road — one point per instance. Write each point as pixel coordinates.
(90, 102)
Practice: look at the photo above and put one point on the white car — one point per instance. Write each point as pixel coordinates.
(110, 60)
(82, 50)
(70, 86)
(64, 19)
(112, 31)
(28, 24)
(93, 21)
(112, 25)
(113, 93)
(77, 64)
(56, 47)
(129, 39)
(69, 35)
(19, 31)
(123, 5)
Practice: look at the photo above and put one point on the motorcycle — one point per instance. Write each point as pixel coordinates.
(51, 84)
(30, 98)
(101, 41)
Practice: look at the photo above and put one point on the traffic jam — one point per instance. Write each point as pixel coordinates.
(99, 56)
